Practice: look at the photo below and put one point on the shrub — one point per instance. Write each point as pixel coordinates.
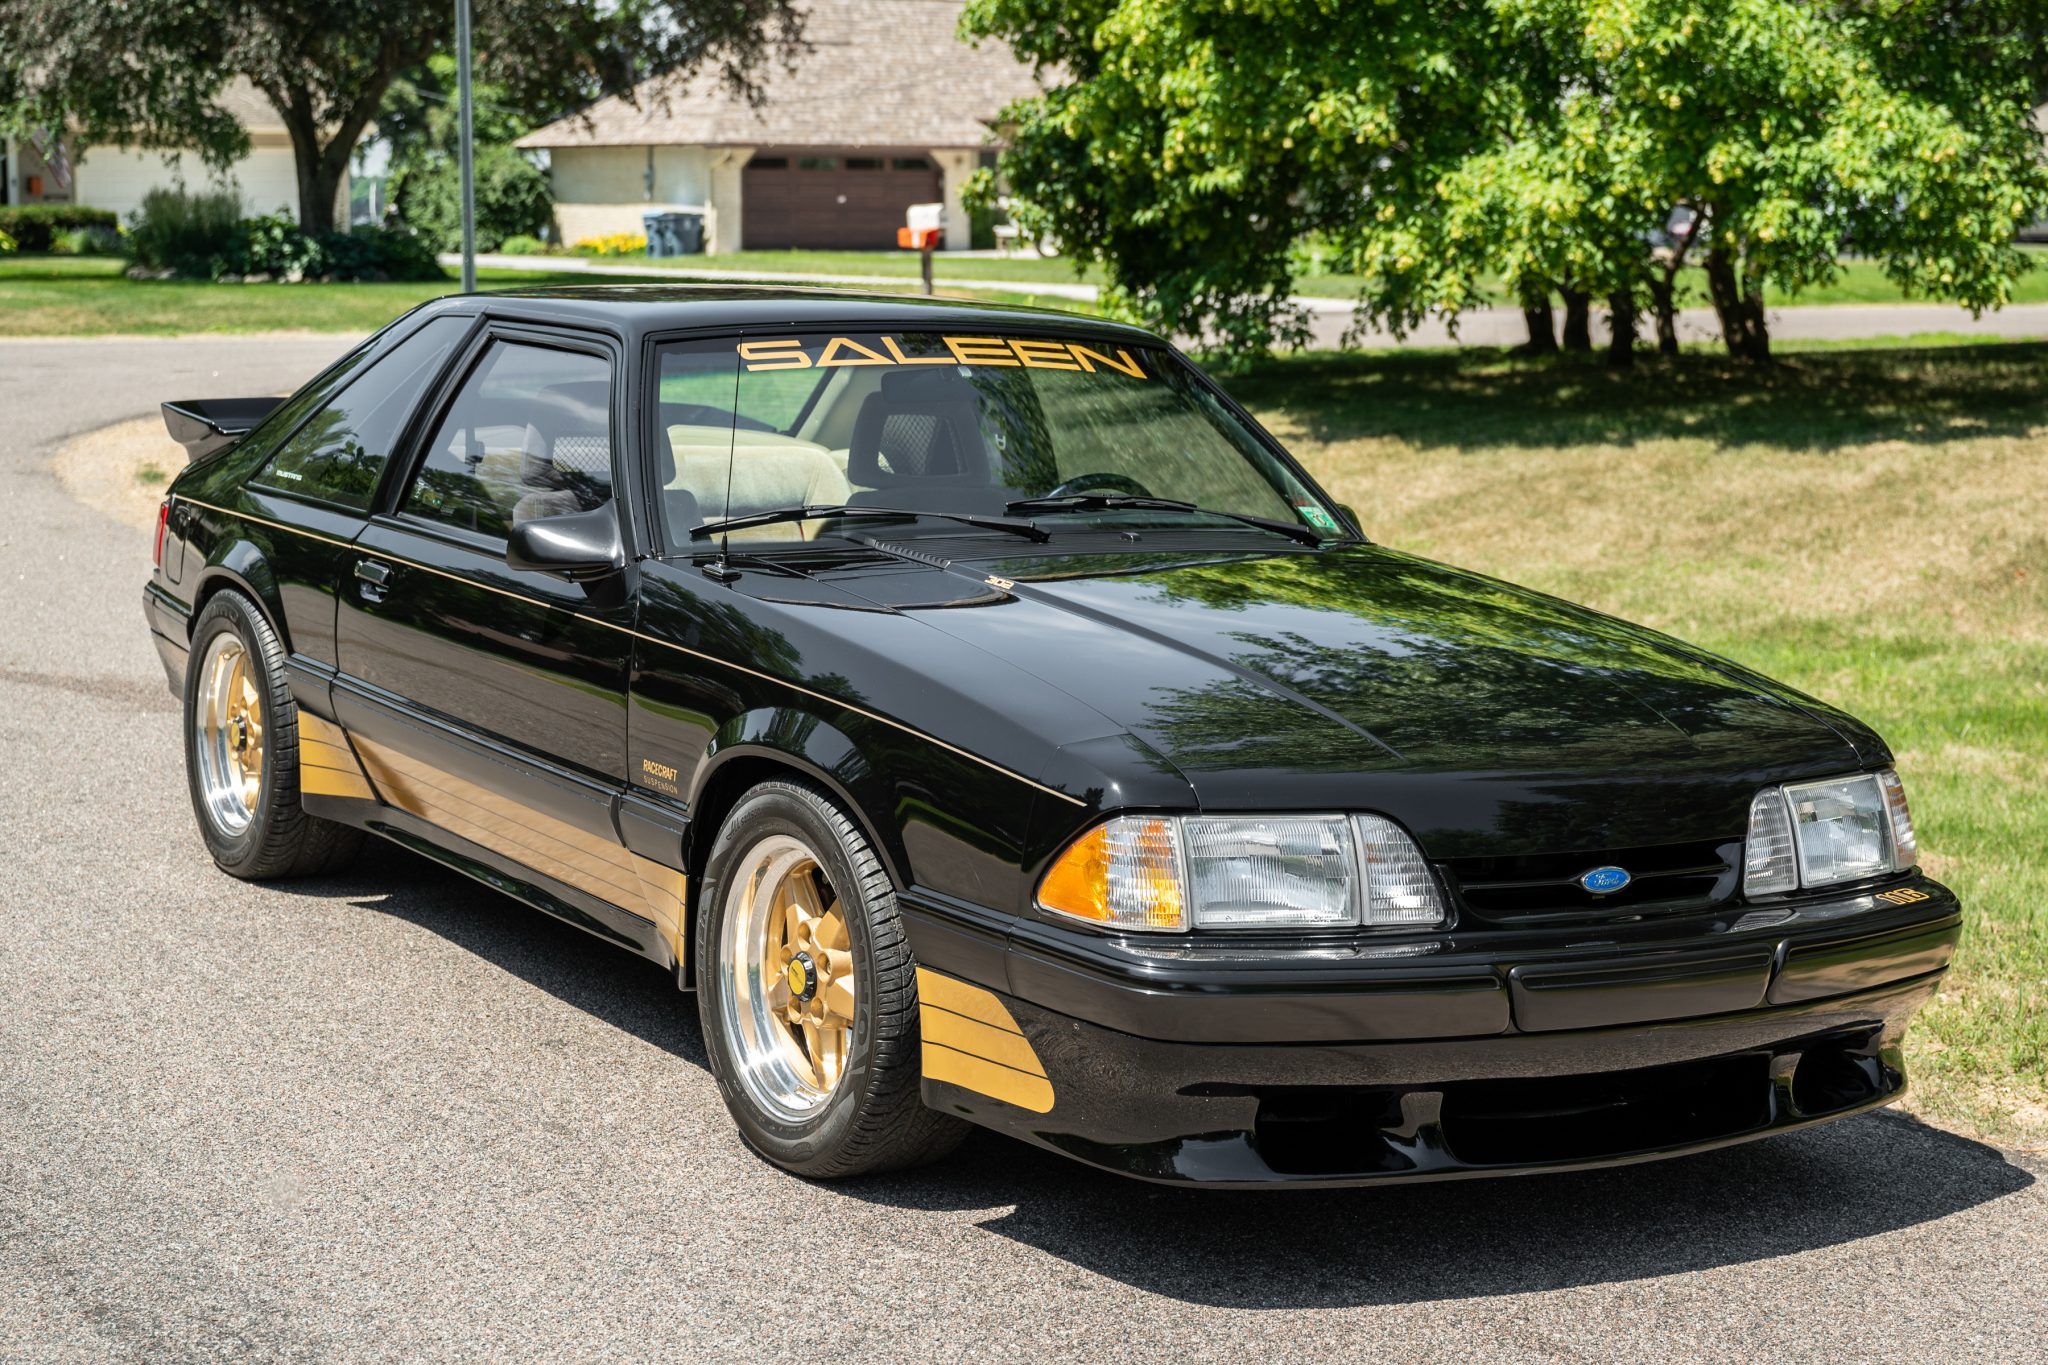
(512, 198)
(377, 253)
(615, 244)
(205, 238)
(186, 234)
(271, 246)
(32, 226)
(88, 241)
(6, 243)
(523, 245)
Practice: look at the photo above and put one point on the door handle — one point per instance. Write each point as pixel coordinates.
(374, 575)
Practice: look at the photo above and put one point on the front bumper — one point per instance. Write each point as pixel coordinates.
(1241, 1064)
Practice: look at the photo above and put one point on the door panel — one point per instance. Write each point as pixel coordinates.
(521, 658)
(490, 702)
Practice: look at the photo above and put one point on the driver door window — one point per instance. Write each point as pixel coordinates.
(529, 436)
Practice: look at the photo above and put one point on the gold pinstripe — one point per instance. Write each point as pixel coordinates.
(652, 640)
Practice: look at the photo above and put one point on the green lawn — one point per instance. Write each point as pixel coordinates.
(897, 264)
(1870, 526)
(1859, 282)
(86, 296)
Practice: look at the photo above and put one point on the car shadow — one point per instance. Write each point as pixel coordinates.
(1840, 1183)
(1860, 1178)
(608, 983)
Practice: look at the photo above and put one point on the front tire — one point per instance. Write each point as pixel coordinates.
(808, 992)
(242, 752)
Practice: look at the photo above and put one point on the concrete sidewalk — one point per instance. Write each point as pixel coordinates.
(1330, 319)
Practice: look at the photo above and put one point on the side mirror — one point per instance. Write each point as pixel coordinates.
(578, 546)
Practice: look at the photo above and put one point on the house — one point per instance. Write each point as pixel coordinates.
(39, 171)
(887, 108)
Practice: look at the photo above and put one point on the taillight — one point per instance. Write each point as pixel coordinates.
(163, 520)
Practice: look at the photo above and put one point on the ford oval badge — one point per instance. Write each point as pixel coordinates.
(1605, 881)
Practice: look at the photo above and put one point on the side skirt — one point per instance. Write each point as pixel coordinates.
(608, 922)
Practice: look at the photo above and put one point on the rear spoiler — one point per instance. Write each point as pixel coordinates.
(204, 425)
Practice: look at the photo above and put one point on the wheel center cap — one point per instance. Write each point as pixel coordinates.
(803, 976)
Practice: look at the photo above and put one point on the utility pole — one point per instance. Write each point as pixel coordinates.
(468, 137)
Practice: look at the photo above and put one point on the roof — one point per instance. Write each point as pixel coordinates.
(638, 309)
(878, 73)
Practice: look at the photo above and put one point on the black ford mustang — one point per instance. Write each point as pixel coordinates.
(992, 724)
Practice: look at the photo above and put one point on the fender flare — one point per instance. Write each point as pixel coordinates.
(827, 755)
(243, 566)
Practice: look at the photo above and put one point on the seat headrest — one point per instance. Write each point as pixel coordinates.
(923, 425)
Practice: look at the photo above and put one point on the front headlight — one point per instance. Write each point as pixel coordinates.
(1164, 873)
(1843, 829)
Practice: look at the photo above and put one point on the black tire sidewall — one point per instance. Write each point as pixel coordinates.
(229, 613)
(777, 808)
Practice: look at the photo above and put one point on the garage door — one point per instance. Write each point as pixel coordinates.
(828, 198)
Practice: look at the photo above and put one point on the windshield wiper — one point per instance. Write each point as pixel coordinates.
(818, 512)
(1114, 502)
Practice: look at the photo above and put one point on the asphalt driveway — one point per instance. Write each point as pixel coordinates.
(394, 1115)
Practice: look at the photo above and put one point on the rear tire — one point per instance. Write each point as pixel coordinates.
(242, 752)
(796, 913)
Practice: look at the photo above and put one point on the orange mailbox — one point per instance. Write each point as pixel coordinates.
(926, 224)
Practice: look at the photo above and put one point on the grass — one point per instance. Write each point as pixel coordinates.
(896, 264)
(1870, 526)
(1859, 282)
(89, 296)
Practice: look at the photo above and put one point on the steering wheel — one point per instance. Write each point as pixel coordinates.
(1100, 482)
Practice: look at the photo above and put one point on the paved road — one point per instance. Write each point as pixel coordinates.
(392, 1115)
(1330, 319)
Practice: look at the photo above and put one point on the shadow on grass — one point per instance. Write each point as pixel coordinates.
(1812, 401)
(1863, 1177)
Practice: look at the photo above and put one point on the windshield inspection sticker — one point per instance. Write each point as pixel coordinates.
(793, 353)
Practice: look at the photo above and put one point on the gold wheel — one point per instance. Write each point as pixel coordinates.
(230, 723)
(790, 986)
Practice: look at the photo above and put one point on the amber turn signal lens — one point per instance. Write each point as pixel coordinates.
(1124, 873)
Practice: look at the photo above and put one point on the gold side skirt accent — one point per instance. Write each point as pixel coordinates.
(592, 864)
(971, 1040)
(662, 889)
(327, 766)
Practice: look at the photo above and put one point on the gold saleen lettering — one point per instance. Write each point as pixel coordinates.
(791, 353)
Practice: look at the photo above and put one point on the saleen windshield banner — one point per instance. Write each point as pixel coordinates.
(1035, 353)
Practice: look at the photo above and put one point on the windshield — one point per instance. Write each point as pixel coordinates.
(1062, 432)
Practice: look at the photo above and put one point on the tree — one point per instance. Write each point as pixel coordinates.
(1186, 145)
(1545, 143)
(1795, 131)
(420, 124)
(147, 73)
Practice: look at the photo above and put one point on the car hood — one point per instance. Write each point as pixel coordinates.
(1361, 676)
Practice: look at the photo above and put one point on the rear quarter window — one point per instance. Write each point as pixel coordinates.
(341, 450)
